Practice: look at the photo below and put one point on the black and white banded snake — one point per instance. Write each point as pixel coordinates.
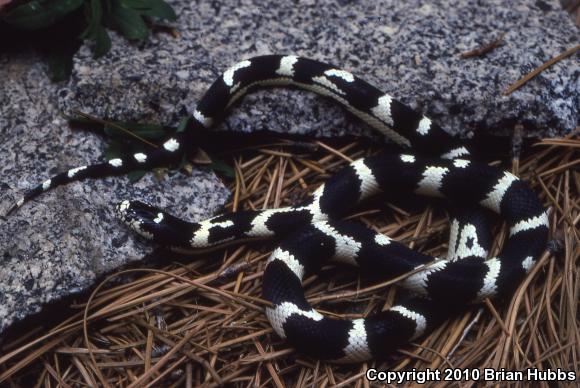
(431, 163)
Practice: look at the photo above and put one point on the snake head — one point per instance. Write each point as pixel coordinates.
(154, 224)
(140, 217)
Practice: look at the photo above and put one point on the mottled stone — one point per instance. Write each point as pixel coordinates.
(59, 243)
(408, 48)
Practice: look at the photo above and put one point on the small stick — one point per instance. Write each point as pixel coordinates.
(516, 148)
(112, 124)
(481, 51)
(516, 85)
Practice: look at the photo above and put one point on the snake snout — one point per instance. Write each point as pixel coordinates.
(143, 219)
(130, 210)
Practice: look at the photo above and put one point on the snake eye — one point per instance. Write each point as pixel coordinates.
(140, 217)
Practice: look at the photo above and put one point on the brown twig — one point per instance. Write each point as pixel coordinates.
(481, 51)
(519, 83)
(115, 125)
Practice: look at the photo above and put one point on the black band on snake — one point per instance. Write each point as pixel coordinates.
(431, 163)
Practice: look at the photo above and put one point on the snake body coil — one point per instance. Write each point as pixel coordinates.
(431, 163)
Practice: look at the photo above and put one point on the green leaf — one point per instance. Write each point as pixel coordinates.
(63, 7)
(60, 65)
(77, 120)
(38, 14)
(222, 167)
(160, 9)
(107, 5)
(146, 131)
(134, 176)
(184, 161)
(129, 23)
(152, 8)
(102, 42)
(95, 31)
(137, 5)
(94, 14)
(114, 150)
(183, 124)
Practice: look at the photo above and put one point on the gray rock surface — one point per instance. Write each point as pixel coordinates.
(59, 243)
(408, 48)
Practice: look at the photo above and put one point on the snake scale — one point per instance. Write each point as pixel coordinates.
(431, 163)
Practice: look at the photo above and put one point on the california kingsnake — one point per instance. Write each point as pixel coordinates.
(313, 233)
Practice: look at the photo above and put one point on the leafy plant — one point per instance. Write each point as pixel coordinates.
(69, 22)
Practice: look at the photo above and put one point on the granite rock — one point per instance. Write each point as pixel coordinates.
(60, 243)
(408, 48)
